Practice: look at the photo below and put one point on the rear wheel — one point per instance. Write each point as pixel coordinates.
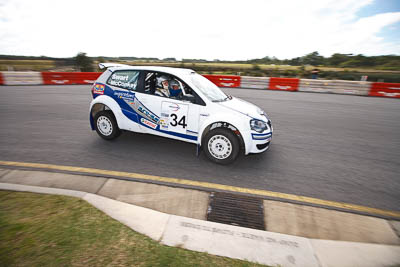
(106, 125)
(221, 146)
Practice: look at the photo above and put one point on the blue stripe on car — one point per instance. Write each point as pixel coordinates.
(135, 117)
(261, 136)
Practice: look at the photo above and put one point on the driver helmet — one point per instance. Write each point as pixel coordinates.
(174, 88)
(163, 81)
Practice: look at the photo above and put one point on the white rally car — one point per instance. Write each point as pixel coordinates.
(178, 104)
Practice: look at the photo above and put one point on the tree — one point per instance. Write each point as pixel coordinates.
(294, 61)
(83, 62)
(313, 58)
(169, 59)
(101, 59)
(337, 59)
(358, 61)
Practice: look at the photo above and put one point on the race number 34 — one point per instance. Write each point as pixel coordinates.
(175, 121)
(176, 116)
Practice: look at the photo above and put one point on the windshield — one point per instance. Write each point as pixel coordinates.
(210, 90)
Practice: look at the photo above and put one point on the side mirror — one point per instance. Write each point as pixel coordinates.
(189, 98)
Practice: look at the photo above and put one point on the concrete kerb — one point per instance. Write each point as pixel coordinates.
(231, 241)
(145, 221)
(4, 172)
(193, 187)
(318, 223)
(54, 180)
(396, 227)
(349, 254)
(42, 190)
(240, 243)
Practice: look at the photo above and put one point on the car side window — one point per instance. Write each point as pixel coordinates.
(125, 79)
(150, 83)
(169, 86)
(162, 84)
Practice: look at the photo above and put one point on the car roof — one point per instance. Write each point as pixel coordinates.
(170, 70)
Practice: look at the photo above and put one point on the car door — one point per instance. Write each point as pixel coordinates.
(169, 117)
(122, 86)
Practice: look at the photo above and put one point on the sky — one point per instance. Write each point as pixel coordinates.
(206, 29)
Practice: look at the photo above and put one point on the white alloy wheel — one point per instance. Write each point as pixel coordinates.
(104, 125)
(220, 147)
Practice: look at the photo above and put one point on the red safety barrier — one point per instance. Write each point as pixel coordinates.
(70, 77)
(224, 80)
(1, 79)
(285, 84)
(385, 89)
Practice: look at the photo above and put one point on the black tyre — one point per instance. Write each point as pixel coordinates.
(221, 146)
(106, 125)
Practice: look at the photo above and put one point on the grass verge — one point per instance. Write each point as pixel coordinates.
(50, 230)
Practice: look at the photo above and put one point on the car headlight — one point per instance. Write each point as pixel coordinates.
(258, 125)
(262, 113)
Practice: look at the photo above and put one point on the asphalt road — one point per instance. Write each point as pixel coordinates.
(333, 147)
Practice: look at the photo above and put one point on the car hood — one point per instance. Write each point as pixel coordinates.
(243, 107)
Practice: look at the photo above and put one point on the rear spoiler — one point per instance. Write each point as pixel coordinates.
(109, 65)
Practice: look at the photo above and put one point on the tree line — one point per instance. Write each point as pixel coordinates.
(388, 62)
(384, 62)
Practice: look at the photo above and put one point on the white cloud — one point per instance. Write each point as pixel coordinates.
(187, 29)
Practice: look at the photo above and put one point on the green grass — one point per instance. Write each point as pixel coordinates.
(26, 65)
(47, 230)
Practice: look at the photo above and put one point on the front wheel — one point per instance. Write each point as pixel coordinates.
(106, 125)
(221, 146)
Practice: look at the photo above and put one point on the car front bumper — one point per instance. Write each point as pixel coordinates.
(259, 142)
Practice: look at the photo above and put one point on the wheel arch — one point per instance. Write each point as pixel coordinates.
(225, 122)
(104, 103)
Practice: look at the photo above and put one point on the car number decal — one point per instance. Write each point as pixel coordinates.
(174, 117)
